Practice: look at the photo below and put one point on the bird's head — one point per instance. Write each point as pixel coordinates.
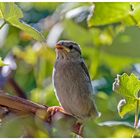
(68, 49)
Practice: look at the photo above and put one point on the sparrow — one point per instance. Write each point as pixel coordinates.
(72, 82)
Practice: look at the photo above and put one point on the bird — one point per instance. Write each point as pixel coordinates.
(72, 82)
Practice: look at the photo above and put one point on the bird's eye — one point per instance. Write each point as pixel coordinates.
(71, 46)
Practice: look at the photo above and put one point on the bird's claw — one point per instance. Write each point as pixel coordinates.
(52, 110)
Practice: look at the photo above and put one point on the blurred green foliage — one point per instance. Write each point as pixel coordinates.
(108, 34)
(1, 63)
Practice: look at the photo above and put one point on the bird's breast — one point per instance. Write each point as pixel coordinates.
(65, 77)
(72, 89)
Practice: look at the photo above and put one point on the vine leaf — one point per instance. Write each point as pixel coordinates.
(126, 106)
(108, 13)
(136, 12)
(12, 14)
(128, 87)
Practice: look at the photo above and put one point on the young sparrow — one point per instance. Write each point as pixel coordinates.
(72, 82)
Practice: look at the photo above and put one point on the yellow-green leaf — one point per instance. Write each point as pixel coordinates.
(10, 11)
(128, 87)
(126, 106)
(28, 29)
(107, 13)
(12, 14)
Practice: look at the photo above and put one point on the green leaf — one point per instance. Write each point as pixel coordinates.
(115, 123)
(107, 13)
(2, 63)
(136, 11)
(12, 14)
(126, 106)
(28, 29)
(10, 11)
(128, 87)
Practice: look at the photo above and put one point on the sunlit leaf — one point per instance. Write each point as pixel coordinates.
(128, 87)
(12, 14)
(10, 11)
(126, 106)
(136, 12)
(107, 13)
(27, 28)
(115, 123)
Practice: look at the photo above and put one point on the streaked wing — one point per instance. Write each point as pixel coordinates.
(84, 67)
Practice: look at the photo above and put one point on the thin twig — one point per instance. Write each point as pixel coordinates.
(23, 106)
(136, 115)
(18, 103)
(17, 88)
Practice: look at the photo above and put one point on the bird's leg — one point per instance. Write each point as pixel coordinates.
(79, 128)
(54, 109)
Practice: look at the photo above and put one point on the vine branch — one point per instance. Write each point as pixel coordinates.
(23, 106)
(17, 88)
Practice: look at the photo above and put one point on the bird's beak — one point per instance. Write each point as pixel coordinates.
(61, 47)
(58, 46)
